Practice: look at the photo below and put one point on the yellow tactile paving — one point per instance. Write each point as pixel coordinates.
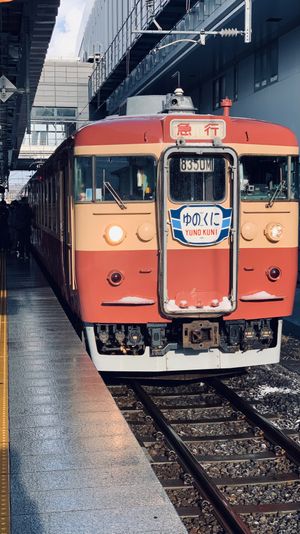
(4, 438)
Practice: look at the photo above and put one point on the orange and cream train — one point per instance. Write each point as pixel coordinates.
(173, 236)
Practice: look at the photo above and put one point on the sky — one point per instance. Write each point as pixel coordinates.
(64, 42)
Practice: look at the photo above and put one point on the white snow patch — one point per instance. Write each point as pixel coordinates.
(224, 306)
(131, 300)
(261, 295)
(269, 390)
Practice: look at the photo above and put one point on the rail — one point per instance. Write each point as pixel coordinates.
(224, 512)
(249, 433)
(271, 432)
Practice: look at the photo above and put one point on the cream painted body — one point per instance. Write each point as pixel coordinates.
(91, 219)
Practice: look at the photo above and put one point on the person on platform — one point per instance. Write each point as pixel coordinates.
(4, 230)
(23, 218)
(12, 226)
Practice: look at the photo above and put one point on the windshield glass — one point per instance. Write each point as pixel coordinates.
(261, 177)
(294, 177)
(130, 177)
(196, 178)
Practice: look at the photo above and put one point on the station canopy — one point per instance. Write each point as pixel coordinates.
(25, 31)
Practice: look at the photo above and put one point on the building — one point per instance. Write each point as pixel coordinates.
(262, 78)
(105, 20)
(60, 104)
(25, 32)
(109, 37)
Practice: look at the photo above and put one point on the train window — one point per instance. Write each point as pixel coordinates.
(263, 176)
(131, 177)
(197, 179)
(52, 204)
(295, 178)
(43, 204)
(83, 179)
(47, 200)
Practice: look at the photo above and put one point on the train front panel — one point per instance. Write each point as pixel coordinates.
(185, 241)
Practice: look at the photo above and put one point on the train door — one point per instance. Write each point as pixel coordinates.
(66, 230)
(199, 237)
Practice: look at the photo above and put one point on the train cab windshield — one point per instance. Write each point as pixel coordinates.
(98, 179)
(262, 177)
(197, 179)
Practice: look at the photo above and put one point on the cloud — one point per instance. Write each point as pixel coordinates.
(64, 37)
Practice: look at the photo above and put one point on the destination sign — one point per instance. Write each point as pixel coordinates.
(200, 225)
(197, 129)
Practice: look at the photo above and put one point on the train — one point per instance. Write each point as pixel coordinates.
(172, 235)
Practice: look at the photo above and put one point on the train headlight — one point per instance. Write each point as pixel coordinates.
(274, 231)
(249, 231)
(114, 234)
(146, 232)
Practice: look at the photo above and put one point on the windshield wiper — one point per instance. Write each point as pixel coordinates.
(277, 191)
(115, 195)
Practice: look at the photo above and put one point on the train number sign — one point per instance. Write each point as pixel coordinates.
(196, 165)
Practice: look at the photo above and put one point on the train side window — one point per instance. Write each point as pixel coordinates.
(43, 204)
(263, 176)
(53, 202)
(38, 204)
(83, 179)
(131, 177)
(49, 203)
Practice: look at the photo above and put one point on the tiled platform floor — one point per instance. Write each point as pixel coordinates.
(75, 466)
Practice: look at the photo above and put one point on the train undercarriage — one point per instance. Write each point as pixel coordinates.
(198, 335)
(184, 346)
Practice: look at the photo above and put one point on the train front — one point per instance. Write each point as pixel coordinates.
(186, 239)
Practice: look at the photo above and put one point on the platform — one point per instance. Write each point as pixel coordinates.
(75, 466)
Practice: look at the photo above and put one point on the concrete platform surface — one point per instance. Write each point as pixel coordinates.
(75, 465)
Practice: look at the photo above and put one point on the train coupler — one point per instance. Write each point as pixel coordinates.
(200, 335)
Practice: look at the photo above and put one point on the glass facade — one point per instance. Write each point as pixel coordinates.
(39, 112)
(59, 105)
(46, 134)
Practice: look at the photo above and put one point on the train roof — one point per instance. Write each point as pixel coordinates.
(140, 129)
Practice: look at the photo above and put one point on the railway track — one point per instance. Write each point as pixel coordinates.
(225, 467)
